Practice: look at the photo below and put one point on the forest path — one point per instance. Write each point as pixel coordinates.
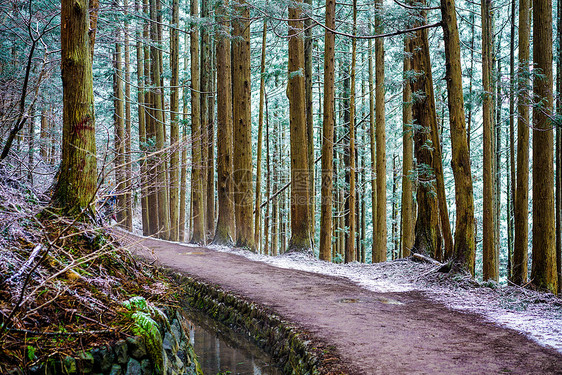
(374, 333)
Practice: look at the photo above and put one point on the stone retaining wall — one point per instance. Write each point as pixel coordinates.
(131, 356)
(290, 348)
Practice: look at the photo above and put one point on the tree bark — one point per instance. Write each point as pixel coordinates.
(373, 149)
(427, 235)
(490, 261)
(543, 270)
(76, 184)
(184, 148)
(511, 175)
(206, 83)
(119, 131)
(309, 115)
(328, 136)
(128, 173)
(225, 229)
(150, 126)
(211, 215)
(142, 124)
(521, 248)
(157, 88)
(464, 242)
(559, 149)
(174, 125)
(407, 208)
(350, 250)
(257, 210)
(241, 91)
(300, 184)
(379, 254)
(197, 198)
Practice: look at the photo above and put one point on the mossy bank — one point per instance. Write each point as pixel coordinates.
(167, 352)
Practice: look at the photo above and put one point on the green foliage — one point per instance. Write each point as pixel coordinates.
(338, 258)
(148, 318)
(138, 303)
(31, 353)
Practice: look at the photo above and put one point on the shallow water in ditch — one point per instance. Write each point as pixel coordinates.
(220, 350)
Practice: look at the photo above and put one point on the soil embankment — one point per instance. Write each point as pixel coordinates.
(372, 333)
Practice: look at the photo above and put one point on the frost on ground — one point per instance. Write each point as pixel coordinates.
(537, 315)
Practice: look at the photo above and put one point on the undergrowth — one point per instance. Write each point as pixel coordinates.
(63, 283)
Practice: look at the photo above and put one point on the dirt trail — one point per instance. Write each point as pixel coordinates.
(374, 333)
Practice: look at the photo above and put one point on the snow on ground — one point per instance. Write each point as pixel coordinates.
(537, 315)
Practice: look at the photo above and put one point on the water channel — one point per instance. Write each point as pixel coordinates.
(222, 351)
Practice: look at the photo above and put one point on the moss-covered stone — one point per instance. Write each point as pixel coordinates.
(269, 332)
(137, 347)
(120, 350)
(69, 366)
(85, 363)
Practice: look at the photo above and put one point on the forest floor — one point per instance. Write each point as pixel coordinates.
(400, 317)
(63, 284)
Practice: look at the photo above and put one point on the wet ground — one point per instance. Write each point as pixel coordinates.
(373, 333)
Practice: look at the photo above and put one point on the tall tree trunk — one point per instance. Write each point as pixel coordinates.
(427, 235)
(161, 185)
(543, 271)
(206, 83)
(559, 148)
(309, 114)
(119, 130)
(345, 68)
(395, 234)
(326, 203)
(407, 209)
(211, 197)
(464, 247)
(197, 198)
(275, 204)
(490, 261)
(225, 230)
(257, 210)
(470, 103)
(521, 248)
(440, 181)
(128, 172)
(150, 126)
(497, 152)
(184, 150)
(363, 170)
(174, 125)
(77, 179)
(511, 176)
(379, 254)
(300, 199)
(283, 212)
(142, 123)
(268, 184)
(241, 91)
(350, 250)
(373, 150)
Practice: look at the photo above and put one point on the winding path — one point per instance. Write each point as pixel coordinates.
(374, 333)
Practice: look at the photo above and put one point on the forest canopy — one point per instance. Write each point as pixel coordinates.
(361, 130)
